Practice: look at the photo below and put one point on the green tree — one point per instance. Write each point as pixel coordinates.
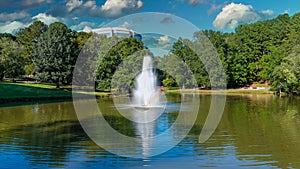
(182, 50)
(53, 55)
(287, 75)
(28, 37)
(169, 82)
(7, 36)
(113, 58)
(11, 59)
(81, 38)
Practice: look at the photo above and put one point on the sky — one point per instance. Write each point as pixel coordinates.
(78, 14)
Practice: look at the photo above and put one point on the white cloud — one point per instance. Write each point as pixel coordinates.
(234, 14)
(34, 2)
(126, 25)
(109, 9)
(11, 27)
(13, 16)
(164, 42)
(47, 19)
(115, 8)
(83, 25)
(268, 12)
(14, 26)
(287, 11)
(23, 4)
(72, 4)
(89, 4)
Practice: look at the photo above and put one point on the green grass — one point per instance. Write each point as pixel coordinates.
(23, 90)
(26, 92)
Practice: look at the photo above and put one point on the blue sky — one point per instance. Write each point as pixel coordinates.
(77, 14)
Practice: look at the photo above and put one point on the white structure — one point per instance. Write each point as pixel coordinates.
(115, 31)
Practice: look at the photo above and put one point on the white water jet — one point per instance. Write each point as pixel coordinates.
(146, 93)
(148, 102)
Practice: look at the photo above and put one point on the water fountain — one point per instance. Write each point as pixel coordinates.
(148, 102)
(146, 94)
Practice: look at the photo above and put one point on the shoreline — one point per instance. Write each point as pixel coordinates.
(11, 93)
(227, 91)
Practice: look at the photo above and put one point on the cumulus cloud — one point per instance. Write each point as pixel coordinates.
(13, 16)
(34, 2)
(109, 9)
(115, 8)
(89, 4)
(287, 11)
(11, 27)
(84, 24)
(22, 3)
(157, 41)
(72, 4)
(14, 26)
(47, 19)
(165, 41)
(268, 12)
(126, 25)
(234, 14)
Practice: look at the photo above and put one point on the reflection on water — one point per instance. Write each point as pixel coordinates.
(256, 131)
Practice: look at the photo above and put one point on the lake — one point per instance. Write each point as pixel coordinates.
(256, 131)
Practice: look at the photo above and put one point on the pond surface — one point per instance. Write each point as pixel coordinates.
(256, 131)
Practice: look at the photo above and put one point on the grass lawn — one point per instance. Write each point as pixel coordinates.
(23, 90)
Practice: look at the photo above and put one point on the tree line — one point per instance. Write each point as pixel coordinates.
(261, 52)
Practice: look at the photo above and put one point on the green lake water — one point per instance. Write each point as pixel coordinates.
(256, 131)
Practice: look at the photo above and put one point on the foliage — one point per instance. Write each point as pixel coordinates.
(81, 38)
(28, 37)
(287, 75)
(169, 82)
(7, 36)
(54, 56)
(182, 50)
(11, 59)
(113, 58)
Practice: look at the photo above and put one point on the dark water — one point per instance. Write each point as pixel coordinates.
(256, 131)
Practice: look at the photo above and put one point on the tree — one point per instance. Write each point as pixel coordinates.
(7, 36)
(287, 75)
(169, 82)
(81, 38)
(113, 58)
(11, 59)
(192, 61)
(53, 55)
(28, 37)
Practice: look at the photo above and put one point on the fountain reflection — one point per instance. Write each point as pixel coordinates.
(145, 133)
